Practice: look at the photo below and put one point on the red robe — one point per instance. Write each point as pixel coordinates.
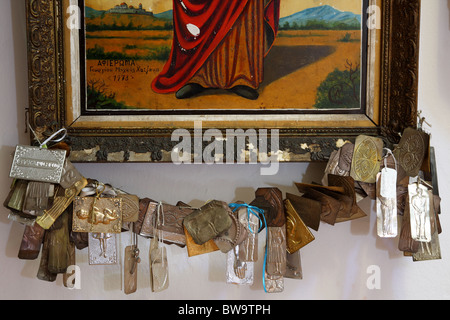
(214, 19)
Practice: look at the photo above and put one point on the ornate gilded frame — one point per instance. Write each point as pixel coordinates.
(395, 92)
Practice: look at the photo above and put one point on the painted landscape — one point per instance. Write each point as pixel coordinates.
(314, 63)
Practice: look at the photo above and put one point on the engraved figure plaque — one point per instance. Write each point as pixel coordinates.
(102, 249)
(276, 251)
(430, 250)
(419, 205)
(38, 164)
(387, 226)
(248, 249)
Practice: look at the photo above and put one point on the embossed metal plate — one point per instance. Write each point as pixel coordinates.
(38, 164)
(102, 249)
(70, 175)
(387, 226)
(297, 233)
(411, 151)
(103, 216)
(276, 251)
(419, 206)
(130, 207)
(366, 159)
(239, 271)
(430, 250)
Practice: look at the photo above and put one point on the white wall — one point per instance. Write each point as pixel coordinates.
(334, 265)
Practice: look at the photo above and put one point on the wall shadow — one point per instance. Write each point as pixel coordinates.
(448, 5)
(18, 20)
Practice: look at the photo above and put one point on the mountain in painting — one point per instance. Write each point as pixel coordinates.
(167, 15)
(323, 17)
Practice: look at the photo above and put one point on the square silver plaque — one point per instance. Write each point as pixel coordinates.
(38, 164)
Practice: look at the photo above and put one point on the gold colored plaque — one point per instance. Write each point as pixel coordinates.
(366, 159)
(130, 207)
(194, 249)
(298, 234)
(60, 204)
(97, 215)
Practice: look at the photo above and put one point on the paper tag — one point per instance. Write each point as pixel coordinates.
(388, 183)
(38, 164)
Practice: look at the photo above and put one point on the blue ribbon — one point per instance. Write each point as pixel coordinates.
(252, 210)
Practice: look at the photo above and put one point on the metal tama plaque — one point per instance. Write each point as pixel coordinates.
(38, 164)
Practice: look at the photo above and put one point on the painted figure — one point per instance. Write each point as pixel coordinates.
(219, 44)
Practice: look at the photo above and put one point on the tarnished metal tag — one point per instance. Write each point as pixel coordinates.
(419, 206)
(97, 215)
(293, 266)
(387, 226)
(37, 197)
(38, 164)
(172, 229)
(208, 222)
(309, 210)
(430, 250)
(70, 175)
(411, 151)
(271, 201)
(102, 249)
(329, 206)
(16, 197)
(248, 250)
(276, 251)
(405, 242)
(339, 163)
(32, 239)
(345, 159)
(159, 269)
(131, 261)
(366, 159)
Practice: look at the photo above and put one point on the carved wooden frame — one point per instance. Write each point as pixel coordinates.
(398, 96)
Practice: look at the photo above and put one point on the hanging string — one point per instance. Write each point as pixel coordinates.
(257, 212)
(51, 138)
(389, 152)
(160, 222)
